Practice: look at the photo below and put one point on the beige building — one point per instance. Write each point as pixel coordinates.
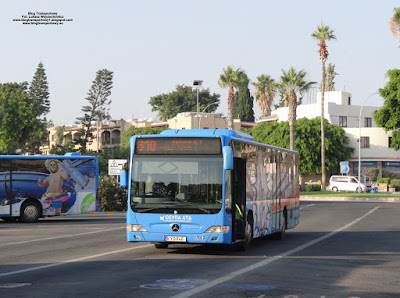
(193, 120)
(108, 134)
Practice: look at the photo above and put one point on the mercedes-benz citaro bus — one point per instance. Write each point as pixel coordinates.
(209, 186)
(35, 186)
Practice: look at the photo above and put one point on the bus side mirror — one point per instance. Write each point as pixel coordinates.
(123, 178)
(228, 157)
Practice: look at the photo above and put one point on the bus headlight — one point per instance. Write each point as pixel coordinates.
(135, 228)
(218, 229)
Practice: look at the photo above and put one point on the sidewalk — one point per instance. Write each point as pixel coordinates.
(349, 199)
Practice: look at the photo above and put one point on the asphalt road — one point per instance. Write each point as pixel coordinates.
(338, 250)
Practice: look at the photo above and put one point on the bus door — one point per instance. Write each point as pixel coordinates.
(5, 187)
(238, 199)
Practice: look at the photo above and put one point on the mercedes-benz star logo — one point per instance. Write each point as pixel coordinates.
(175, 228)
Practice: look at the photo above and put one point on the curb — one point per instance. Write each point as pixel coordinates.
(105, 212)
(352, 200)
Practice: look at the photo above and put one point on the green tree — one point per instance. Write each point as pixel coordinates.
(115, 153)
(39, 93)
(293, 83)
(97, 108)
(112, 197)
(308, 142)
(183, 99)
(243, 104)
(62, 149)
(322, 34)
(388, 116)
(394, 23)
(133, 131)
(230, 79)
(266, 88)
(330, 75)
(17, 122)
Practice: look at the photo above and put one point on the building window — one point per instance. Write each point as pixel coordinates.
(390, 142)
(364, 142)
(368, 122)
(342, 121)
(349, 100)
(105, 138)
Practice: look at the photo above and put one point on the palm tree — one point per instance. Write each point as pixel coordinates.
(394, 23)
(231, 79)
(323, 33)
(265, 92)
(291, 83)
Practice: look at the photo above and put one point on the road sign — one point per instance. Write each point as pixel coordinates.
(344, 167)
(115, 166)
(365, 172)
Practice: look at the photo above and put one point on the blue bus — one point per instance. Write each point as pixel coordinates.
(209, 186)
(32, 187)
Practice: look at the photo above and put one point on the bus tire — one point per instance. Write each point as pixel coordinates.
(282, 234)
(30, 212)
(248, 237)
(335, 189)
(161, 245)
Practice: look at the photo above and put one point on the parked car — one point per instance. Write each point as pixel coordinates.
(347, 183)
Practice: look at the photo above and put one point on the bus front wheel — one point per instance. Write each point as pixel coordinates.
(248, 235)
(30, 212)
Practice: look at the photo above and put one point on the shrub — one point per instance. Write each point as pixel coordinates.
(112, 197)
(373, 173)
(395, 182)
(384, 180)
(310, 187)
(315, 187)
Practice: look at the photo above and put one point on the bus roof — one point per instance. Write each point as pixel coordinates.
(47, 157)
(206, 133)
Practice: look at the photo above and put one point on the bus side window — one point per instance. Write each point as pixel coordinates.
(228, 191)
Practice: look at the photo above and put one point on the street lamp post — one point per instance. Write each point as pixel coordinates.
(214, 103)
(197, 84)
(359, 140)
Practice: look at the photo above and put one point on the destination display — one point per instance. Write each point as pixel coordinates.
(178, 146)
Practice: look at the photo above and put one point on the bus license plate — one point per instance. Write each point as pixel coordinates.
(175, 238)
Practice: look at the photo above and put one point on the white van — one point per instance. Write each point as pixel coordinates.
(347, 183)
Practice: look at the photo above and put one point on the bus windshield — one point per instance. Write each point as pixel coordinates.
(190, 184)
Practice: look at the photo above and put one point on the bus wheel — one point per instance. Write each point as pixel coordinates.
(282, 234)
(30, 212)
(335, 189)
(248, 235)
(161, 245)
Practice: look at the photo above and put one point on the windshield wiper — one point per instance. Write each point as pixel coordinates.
(147, 210)
(186, 204)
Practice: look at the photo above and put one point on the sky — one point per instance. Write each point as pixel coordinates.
(152, 46)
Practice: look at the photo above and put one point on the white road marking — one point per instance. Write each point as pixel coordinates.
(306, 206)
(14, 285)
(268, 261)
(73, 260)
(58, 237)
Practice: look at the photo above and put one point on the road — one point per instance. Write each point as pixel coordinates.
(338, 250)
